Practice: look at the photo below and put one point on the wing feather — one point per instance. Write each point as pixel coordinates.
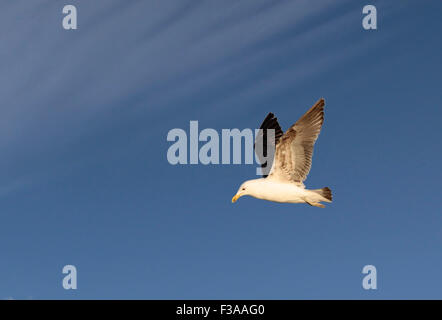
(294, 151)
(260, 146)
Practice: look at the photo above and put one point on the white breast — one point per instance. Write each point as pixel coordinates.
(280, 192)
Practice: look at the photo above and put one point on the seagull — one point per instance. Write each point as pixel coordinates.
(291, 162)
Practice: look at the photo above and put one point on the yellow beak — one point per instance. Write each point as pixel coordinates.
(235, 197)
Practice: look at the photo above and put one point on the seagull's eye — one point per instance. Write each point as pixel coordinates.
(243, 188)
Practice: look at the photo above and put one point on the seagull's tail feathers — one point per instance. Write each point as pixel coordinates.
(325, 193)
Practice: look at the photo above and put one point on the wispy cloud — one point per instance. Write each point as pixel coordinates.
(154, 54)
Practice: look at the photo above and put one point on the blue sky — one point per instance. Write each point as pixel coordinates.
(84, 177)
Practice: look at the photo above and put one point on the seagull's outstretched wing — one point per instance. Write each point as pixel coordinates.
(294, 151)
(270, 122)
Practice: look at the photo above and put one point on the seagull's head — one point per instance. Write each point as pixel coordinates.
(248, 188)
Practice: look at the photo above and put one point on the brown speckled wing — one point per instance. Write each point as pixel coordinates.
(294, 151)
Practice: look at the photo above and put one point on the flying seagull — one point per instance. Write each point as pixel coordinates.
(291, 163)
